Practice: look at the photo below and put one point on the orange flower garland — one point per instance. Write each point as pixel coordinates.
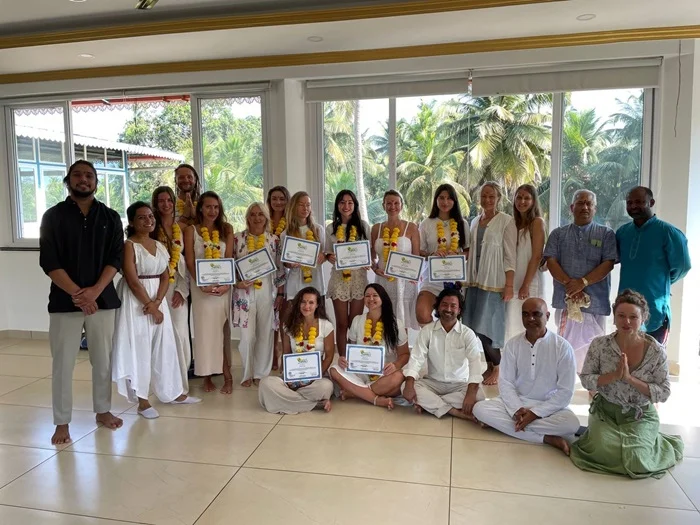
(310, 341)
(307, 271)
(280, 226)
(212, 248)
(340, 235)
(442, 239)
(175, 249)
(255, 243)
(390, 244)
(375, 339)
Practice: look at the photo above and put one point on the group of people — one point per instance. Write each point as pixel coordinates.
(497, 312)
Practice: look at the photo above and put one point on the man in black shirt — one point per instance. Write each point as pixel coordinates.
(81, 246)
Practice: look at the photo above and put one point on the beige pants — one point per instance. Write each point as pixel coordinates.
(438, 398)
(65, 330)
(256, 344)
(276, 397)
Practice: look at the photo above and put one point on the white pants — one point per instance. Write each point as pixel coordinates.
(438, 398)
(276, 397)
(494, 414)
(182, 335)
(256, 344)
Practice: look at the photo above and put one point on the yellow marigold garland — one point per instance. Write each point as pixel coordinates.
(175, 249)
(255, 243)
(340, 235)
(375, 339)
(310, 340)
(212, 248)
(280, 226)
(307, 270)
(390, 244)
(442, 239)
(180, 206)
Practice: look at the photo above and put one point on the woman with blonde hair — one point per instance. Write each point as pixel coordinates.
(256, 302)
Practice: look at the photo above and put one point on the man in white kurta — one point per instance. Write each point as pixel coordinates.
(538, 372)
(452, 352)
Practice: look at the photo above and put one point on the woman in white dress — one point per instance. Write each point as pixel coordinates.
(301, 224)
(443, 233)
(308, 330)
(346, 287)
(256, 302)
(386, 330)
(145, 351)
(169, 232)
(211, 237)
(401, 292)
(528, 280)
(277, 199)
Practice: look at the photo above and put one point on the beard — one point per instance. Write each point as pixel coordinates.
(81, 194)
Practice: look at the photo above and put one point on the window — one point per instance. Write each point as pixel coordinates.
(25, 148)
(27, 188)
(52, 183)
(51, 151)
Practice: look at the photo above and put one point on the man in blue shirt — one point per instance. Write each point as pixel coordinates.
(580, 257)
(653, 256)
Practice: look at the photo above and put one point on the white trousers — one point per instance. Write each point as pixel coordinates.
(276, 397)
(182, 335)
(438, 398)
(256, 344)
(494, 414)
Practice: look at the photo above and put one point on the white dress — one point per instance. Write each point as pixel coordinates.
(145, 352)
(523, 254)
(354, 289)
(180, 318)
(402, 293)
(429, 244)
(295, 278)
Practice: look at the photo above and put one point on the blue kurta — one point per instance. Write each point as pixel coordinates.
(652, 258)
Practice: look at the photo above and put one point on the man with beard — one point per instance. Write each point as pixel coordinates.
(653, 256)
(536, 384)
(188, 191)
(81, 245)
(580, 257)
(453, 354)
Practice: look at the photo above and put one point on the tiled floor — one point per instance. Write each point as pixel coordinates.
(227, 461)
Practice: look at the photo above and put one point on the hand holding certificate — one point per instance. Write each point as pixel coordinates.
(363, 359)
(302, 367)
(450, 268)
(300, 251)
(404, 266)
(349, 255)
(255, 265)
(212, 272)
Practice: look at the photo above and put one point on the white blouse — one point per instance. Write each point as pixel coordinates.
(295, 278)
(357, 335)
(429, 239)
(498, 254)
(324, 329)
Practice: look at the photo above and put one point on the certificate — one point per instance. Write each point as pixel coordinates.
(450, 268)
(256, 265)
(300, 251)
(364, 359)
(352, 255)
(404, 266)
(305, 366)
(212, 272)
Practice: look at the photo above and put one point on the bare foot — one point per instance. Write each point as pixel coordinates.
(181, 398)
(245, 383)
(489, 369)
(228, 386)
(493, 378)
(109, 420)
(418, 409)
(482, 425)
(558, 442)
(209, 385)
(61, 436)
(461, 415)
(383, 401)
(327, 405)
(144, 404)
(344, 395)
(256, 382)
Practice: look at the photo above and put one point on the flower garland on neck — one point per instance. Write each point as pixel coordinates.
(454, 236)
(212, 248)
(390, 244)
(307, 271)
(255, 243)
(340, 235)
(180, 206)
(175, 249)
(281, 225)
(310, 340)
(375, 339)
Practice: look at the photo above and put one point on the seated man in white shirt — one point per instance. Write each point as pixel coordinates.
(538, 372)
(453, 352)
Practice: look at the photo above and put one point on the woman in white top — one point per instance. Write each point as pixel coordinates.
(346, 287)
(301, 224)
(169, 232)
(385, 330)
(145, 352)
(277, 199)
(490, 273)
(401, 292)
(211, 305)
(444, 232)
(308, 330)
(255, 302)
(528, 281)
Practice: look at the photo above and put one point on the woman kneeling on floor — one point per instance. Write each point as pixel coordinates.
(308, 330)
(378, 326)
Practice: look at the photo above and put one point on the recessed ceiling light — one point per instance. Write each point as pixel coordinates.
(86, 55)
(78, 1)
(315, 39)
(585, 17)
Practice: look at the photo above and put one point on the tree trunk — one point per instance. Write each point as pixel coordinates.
(359, 156)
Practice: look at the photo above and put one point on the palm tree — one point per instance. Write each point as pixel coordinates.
(359, 156)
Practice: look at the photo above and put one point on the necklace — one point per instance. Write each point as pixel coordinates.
(175, 249)
(340, 235)
(255, 243)
(212, 248)
(281, 225)
(375, 339)
(442, 239)
(307, 271)
(310, 340)
(390, 244)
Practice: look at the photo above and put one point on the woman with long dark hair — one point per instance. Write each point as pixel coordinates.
(346, 287)
(385, 330)
(308, 330)
(211, 237)
(528, 280)
(442, 233)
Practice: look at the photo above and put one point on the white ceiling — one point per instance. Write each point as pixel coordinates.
(485, 24)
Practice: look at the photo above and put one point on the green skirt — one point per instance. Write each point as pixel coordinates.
(619, 443)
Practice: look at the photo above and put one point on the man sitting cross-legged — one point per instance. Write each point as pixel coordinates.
(536, 384)
(453, 353)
